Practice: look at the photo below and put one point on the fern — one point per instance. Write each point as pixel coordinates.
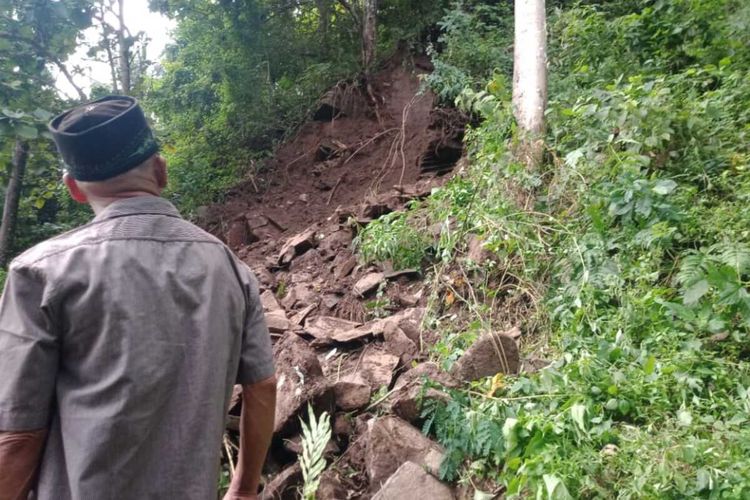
(692, 269)
(315, 437)
(734, 255)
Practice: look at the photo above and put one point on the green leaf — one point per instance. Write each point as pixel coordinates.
(684, 418)
(693, 294)
(556, 489)
(578, 412)
(26, 131)
(650, 365)
(664, 186)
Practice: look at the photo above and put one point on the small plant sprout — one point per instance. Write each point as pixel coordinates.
(315, 437)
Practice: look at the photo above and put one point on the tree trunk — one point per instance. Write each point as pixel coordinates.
(324, 20)
(530, 78)
(123, 44)
(369, 34)
(12, 197)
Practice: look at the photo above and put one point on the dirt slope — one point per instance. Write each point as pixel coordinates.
(348, 337)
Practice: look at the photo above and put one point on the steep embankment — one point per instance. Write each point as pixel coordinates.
(348, 337)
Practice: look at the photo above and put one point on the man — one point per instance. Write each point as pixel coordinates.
(120, 341)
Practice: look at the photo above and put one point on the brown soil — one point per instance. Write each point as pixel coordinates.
(362, 155)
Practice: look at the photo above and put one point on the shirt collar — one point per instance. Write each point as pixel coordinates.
(138, 205)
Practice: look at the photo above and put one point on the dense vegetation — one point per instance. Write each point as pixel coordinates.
(626, 258)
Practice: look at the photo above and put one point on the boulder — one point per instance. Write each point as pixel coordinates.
(343, 266)
(297, 245)
(284, 485)
(352, 392)
(409, 392)
(331, 487)
(269, 302)
(411, 481)
(300, 381)
(323, 328)
(491, 354)
(277, 322)
(398, 344)
(299, 295)
(368, 283)
(239, 234)
(391, 442)
(377, 368)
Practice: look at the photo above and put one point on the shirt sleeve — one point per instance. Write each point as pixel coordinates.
(28, 353)
(256, 358)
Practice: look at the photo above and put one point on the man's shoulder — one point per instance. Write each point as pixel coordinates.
(116, 229)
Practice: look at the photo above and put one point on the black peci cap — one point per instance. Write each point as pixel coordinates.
(104, 138)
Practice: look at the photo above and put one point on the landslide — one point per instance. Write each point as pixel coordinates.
(348, 337)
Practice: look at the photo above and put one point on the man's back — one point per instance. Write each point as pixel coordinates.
(141, 322)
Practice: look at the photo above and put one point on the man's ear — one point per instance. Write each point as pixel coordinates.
(160, 169)
(74, 189)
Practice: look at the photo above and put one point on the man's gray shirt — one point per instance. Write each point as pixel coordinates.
(125, 337)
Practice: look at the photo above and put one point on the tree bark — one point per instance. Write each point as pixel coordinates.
(369, 34)
(12, 197)
(530, 78)
(324, 20)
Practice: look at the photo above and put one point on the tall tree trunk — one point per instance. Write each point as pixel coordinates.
(123, 44)
(530, 78)
(324, 20)
(12, 196)
(369, 34)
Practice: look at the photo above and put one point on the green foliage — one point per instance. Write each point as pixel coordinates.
(634, 245)
(392, 238)
(315, 437)
(476, 41)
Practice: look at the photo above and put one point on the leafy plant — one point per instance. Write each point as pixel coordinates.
(315, 437)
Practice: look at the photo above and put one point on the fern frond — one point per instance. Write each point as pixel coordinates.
(692, 269)
(736, 256)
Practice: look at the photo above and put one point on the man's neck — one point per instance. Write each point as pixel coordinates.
(98, 204)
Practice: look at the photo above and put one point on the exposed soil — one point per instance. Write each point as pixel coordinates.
(348, 337)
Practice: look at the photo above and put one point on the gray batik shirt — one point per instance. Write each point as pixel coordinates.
(124, 338)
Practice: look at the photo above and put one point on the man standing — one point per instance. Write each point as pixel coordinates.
(120, 341)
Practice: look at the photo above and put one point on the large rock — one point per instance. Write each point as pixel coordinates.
(368, 283)
(324, 327)
(411, 481)
(378, 367)
(284, 485)
(277, 322)
(297, 245)
(409, 392)
(398, 344)
(352, 392)
(491, 354)
(269, 302)
(240, 234)
(390, 443)
(300, 381)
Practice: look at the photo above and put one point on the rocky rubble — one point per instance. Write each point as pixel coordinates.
(332, 356)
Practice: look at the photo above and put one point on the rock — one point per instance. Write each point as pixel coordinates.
(239, 234)
(331, 487)
(269, 302)
(294, 445)
(297, 245)
(300, 380)
(412, 272)
(285, 485)
(299, 295)
(359, 333)
(411, 481)
(352, 392)
(477, 253)
(277, 322)
(299, 318)
(378, 367)
(324, 327)
(335, 241)
(304, 198)
(344, 267)
(491, 354)
(342, 426)
(398, 344)
(391, 442)
(368, 283)
(409, 392)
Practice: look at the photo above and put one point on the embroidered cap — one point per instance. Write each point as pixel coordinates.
(103, 138)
